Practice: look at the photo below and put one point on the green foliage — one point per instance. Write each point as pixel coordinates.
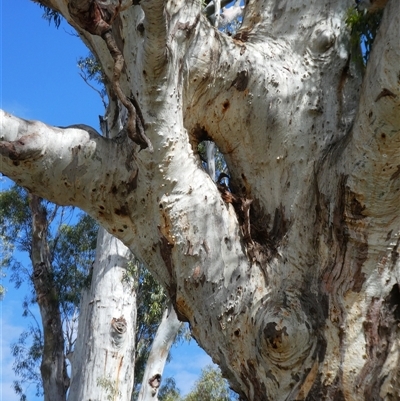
(51, 15)
(364, 27)
(27, 353)
(168, 391)
(151, 302)
(110, 387)
(72, 251)
(90, 71)
(211, 386)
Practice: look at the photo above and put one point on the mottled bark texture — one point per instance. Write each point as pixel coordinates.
(289, 279)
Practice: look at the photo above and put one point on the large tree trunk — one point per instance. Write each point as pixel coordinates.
(53, 367)
(290, 281)
(103, 360)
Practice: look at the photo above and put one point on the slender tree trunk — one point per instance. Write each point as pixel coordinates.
(165, 337)
(104, 355)
(53, 367)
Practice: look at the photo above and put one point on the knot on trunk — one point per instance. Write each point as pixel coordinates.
(118, 330)
(155, 382)
(38, 270)
(286, 336)
(322, 39)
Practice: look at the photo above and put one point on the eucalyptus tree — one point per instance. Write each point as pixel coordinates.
(290, 277)
(61, 256)
(62, 253)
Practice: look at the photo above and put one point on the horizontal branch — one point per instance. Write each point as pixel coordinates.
(52, 162)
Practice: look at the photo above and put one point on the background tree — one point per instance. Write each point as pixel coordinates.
(290, 279)
(211, 387)
(61, 257)
(71, 250)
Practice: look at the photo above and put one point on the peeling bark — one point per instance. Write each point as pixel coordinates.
(290, 279)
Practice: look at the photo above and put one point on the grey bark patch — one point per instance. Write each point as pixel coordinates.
(74, 170)
(241, 81)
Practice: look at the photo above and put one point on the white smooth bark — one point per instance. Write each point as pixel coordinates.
(104, 355)
(163, 341)
(291, 281)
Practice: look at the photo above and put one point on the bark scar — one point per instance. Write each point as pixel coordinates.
(385, 92)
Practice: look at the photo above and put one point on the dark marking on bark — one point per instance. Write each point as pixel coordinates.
(273, 335)
(356, 209)
(241, 81)
(122, 211)
(91, 16)
(20, 150)
(242, 35)
(132, 184)
(393, 301)
(348, 214)
(319, 391)
(316, 307)
(225, 105)
(339, 228)
(394, 255)
(140, 28)
(155, 381)
(396, 174)
(189, 250)
(359, 258)
(248, 374)
(380, 329)
(280, 225)
(384, 93)
(187, 27)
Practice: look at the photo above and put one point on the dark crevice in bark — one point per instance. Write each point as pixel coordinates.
(381, 329)
(320, 391)
(249, 377)
(316, 307)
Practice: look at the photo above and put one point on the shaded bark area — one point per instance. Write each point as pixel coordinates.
(53, 366)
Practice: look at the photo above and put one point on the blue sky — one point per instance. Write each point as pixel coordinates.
(40, 80)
